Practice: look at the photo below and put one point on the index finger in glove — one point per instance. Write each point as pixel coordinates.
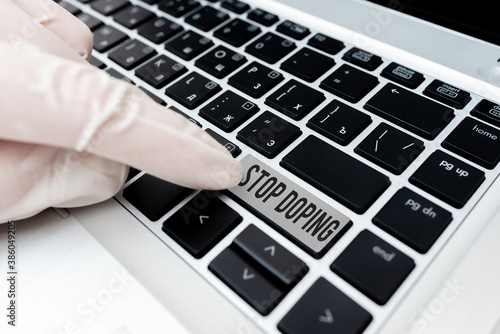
(75, 105)
(22, 32)
(66, 26)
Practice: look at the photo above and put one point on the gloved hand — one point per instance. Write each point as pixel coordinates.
(68, 131)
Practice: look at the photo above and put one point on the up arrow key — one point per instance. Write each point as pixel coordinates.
(327, 318)
(270, 249)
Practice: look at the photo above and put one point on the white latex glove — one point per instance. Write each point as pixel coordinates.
(68, 131)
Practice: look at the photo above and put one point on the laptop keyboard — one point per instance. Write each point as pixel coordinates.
(357, 169)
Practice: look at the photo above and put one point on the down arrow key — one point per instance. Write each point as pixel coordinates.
(246, 275)
(247, 280)
(327, 318)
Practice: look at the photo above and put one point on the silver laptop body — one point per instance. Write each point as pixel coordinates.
(109, 268)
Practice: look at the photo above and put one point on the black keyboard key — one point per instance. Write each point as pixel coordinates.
(475, 141)
(390, 148)
(448, 178)
(115, 74)
(201, 223)
(178, 8)
(132, 54)
(307, 64)
(263, 17)
(153, 96)
(245, 280)
(189, 118)
(270, 47)
(293, 30)
(230, 146)
(349, 83)
(295, 99)
(345, 179)
(324, 309)
(97, 63)
(447, 94)
(326, 44)
(159, 29)
(69, 7)
(90, 21)
(269, 134)
(363, 59)
(160, 71)
(228, 111)
(236, 6)
(192, 90)
(255, 79)
(339, 122)
(421, 116)
(131, 17)
(132, 173)
(154, 197)
(270, 255)
(107, 37)
(488, 112)
(108, 7)
(206, 18)
(403, 75)
(413, 219)
(237, 32)
(373, 266)
(188, 45)
(220, 61)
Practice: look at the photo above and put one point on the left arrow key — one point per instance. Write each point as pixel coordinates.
(201, 223)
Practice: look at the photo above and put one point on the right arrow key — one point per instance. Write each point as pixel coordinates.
(325, 309)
